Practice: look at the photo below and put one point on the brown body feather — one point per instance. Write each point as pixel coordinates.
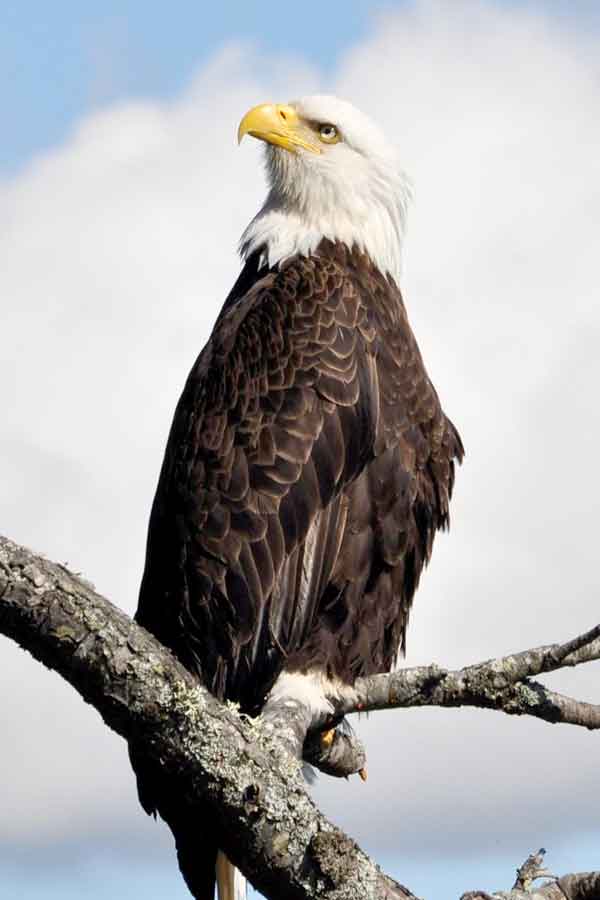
(308, 468)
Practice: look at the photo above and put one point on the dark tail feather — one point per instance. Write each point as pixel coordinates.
(197, 858)
(193, 830)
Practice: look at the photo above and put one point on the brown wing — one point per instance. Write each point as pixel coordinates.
(393, 508)
(308, 466)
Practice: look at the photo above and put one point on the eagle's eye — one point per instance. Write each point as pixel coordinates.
(329, 133)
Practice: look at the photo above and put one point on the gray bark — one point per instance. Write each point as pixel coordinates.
(239, 766)
(504, 684)
(255, 789)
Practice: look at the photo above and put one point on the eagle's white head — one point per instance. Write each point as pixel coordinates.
(332, 174)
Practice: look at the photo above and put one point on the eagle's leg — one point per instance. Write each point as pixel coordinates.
(302, 709)
(312, 690)
(300, 703)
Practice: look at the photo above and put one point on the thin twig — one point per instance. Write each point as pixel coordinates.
(577, 886)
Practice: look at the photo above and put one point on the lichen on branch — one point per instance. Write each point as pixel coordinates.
(239, 766)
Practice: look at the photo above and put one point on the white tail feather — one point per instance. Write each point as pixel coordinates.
(231, 884)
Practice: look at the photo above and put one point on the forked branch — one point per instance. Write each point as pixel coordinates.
(272, 830)
(504, 683)
(579, 886)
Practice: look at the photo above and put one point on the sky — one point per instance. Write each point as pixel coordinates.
(122, 196)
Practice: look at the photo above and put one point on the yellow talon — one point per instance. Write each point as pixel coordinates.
(327, 738)
(363, 774)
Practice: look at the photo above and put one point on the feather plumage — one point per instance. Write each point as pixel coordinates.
(308, 468)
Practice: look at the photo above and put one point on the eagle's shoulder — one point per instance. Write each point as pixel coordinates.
(302, 325)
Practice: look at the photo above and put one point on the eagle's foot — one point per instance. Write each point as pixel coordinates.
(327, 738)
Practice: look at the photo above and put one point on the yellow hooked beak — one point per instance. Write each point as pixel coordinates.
(279, 125)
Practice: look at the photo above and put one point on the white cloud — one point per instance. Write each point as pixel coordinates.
(116, 252)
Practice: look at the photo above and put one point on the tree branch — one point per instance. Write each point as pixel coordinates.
(503, 683)
(271, 828)
(579, 886)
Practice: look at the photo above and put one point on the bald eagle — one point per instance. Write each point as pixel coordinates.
(309, 464)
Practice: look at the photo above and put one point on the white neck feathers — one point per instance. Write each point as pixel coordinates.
(360, 206)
